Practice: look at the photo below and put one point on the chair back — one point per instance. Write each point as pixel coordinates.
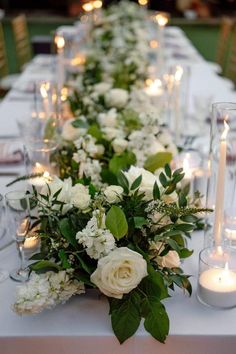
(21, 37)
(224, 42)
(3, 56)
(231, 63)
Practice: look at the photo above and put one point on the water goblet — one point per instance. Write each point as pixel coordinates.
(3, 272)
(18, 218)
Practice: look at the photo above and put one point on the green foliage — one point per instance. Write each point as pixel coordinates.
(121, 162)
(116, 222)
(158, 160)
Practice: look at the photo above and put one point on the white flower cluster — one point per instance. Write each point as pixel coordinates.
(77, 195)
(95, 238)
(86, 156)
(45, 291)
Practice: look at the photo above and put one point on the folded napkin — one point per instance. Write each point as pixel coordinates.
(10, 153)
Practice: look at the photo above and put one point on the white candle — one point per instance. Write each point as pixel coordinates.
(217, 287)
(178, 76)
(40, 181)
(60, 43)
(230, 234)
(219, 205)
(44, 94)
(153, 88)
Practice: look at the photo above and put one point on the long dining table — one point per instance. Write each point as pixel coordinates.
(82, 325)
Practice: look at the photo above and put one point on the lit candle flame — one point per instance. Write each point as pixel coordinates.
(179, 73)
(87, 7)
(153, 44)
(43, 91)
(225, 132)
(162, 19)
(97, 4)
(143, 2)
(60, 42)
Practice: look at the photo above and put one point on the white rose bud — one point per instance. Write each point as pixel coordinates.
(116, 98)
(100, 150)
(102, 88)
(170, 260)
(147, 183)
(113, 193)
(119, 272)
(80, 196)
(119, 145)
(70, 133)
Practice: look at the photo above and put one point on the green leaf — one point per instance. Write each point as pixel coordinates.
(136, 183)
(95, 132)
(68, 232)
(182, 200)
(116, 222)
(153, 285)
(184, 227)
(185, 253)
(163, 179)
(156, 319)
(158, 160)
(121, 162)
(125, 319)
(88, 269)
(168, 170)
(78, 123)
(44, 266)
(63, 257)
(189, 218)
(156, 192)
(108, 177)
(139, 221)
(123, 182)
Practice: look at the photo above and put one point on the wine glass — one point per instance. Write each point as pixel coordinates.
(3, 272)
(18, 218)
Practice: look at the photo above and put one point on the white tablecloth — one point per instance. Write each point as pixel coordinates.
(82, 326)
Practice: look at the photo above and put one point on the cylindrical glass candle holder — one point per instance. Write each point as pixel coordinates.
(47, 98)
(217, 277)
(39, 160)
(221, 183)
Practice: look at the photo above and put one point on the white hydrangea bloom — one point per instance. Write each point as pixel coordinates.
(45, 291)
(95, 238)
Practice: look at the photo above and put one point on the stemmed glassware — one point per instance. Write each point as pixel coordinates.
(18, 218)
(3, 272)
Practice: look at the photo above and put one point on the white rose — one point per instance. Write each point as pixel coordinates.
(170, 260)
(116, 98)
(148, 180)
(108, 119)
(80, 196)
(102, 88)
(119, 145)
(119, 272)
(71, 133)
(170, 198)
(113, 194)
